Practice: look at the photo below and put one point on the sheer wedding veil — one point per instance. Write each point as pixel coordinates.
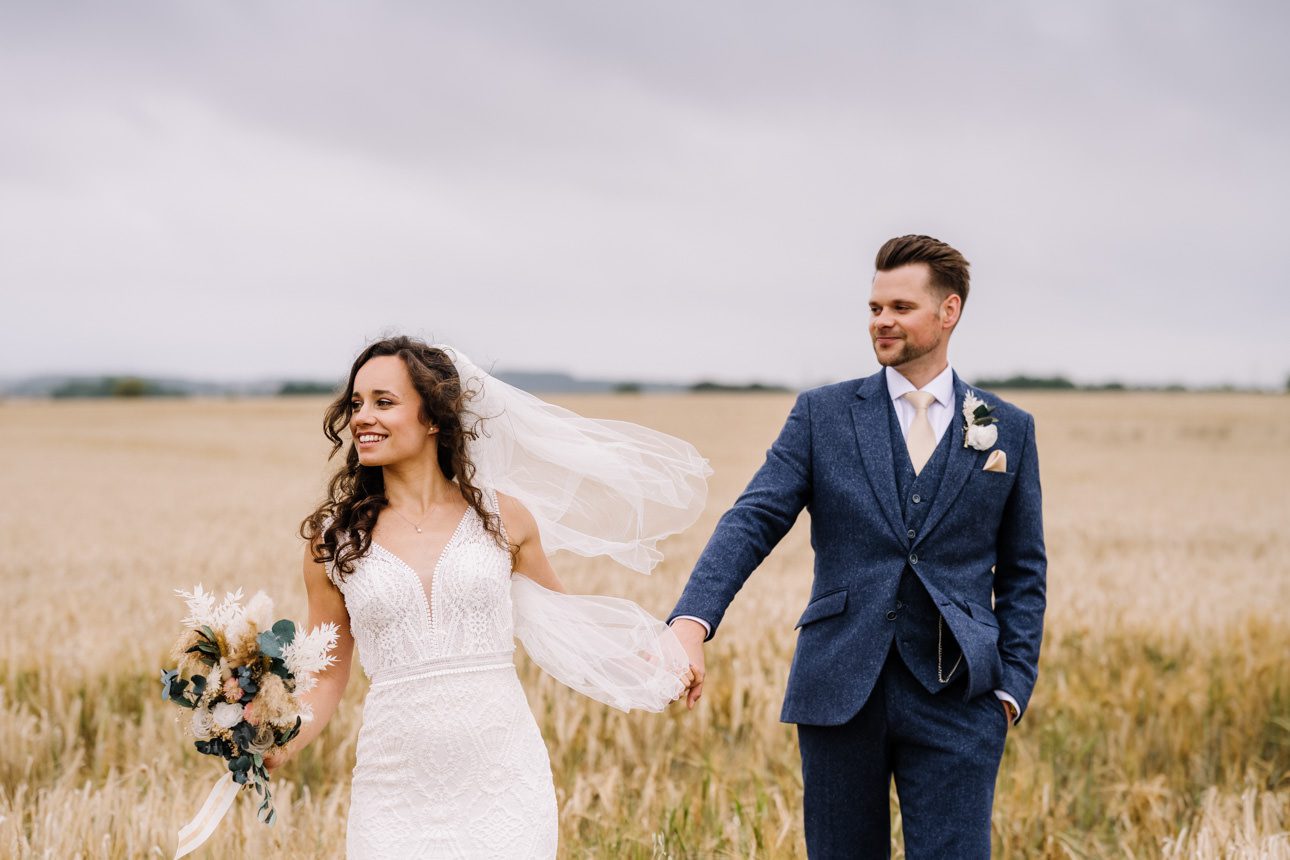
(595, 487)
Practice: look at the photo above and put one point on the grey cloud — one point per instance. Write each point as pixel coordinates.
(662, 190)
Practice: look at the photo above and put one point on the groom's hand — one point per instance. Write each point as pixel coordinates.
(692, 635)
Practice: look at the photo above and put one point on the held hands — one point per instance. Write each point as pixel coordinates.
(692, 636)
(687, 679)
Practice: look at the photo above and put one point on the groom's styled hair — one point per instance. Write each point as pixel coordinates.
(949, 268)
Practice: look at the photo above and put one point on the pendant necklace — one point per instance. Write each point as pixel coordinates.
(417, 524)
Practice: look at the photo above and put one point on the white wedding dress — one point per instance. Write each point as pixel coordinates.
(450, 763)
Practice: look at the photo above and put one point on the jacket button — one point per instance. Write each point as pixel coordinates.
(911, 534)
(917, 498)
(891, 615)
(913, 558)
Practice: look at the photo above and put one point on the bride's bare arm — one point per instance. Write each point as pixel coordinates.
(325, 604)
(522, 529)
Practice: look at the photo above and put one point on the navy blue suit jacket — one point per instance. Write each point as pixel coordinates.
(983, 537)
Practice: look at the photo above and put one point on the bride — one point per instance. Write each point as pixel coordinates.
(427, 553)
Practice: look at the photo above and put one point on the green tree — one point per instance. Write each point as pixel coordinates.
(131, 386)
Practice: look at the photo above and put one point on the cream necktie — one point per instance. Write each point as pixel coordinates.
(920, 439)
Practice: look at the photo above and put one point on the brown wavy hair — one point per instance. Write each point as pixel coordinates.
(340, 530)
(949, 268)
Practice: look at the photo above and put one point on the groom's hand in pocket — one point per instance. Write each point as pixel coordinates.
(692, 635)
(1009, 712)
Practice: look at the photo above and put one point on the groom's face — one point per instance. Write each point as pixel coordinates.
(907, 317)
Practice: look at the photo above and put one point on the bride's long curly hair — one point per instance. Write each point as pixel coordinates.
(340, 530)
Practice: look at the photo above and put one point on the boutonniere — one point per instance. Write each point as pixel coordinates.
(979, 431)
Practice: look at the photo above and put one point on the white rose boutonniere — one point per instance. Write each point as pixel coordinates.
(979, 431)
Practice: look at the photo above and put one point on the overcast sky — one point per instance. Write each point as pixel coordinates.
(664, 190)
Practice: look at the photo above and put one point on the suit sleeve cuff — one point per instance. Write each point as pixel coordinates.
(707, 628)
(1004, 697)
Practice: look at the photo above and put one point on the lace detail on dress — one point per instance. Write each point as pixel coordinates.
(469, 610)
(450, 761)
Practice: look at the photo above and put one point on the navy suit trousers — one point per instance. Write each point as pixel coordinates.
(943, 752)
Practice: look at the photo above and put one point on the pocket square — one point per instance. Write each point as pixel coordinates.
(996, 462)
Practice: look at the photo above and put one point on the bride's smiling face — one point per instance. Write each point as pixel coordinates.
(386, 422)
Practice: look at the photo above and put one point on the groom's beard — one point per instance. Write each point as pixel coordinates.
(907, 353)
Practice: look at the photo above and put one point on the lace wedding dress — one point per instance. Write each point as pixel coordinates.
(450, 762)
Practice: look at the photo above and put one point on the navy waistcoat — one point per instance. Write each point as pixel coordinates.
(916, 626)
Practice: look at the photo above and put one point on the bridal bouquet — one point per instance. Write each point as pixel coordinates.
(241, 674)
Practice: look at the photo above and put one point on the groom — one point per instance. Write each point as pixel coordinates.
(905, 667)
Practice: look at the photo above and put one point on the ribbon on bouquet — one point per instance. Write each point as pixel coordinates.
(197, 831)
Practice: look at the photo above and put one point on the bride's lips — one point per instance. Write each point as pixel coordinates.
(367, 443)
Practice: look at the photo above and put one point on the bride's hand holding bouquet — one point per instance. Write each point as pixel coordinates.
(243, 676)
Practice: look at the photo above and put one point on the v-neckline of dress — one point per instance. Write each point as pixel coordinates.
(429, 607)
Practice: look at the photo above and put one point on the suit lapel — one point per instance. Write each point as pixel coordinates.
(958, 467)
(873, 433)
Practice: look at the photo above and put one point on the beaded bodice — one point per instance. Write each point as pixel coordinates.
(468, 611)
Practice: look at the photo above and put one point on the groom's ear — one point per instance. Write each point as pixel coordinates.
(951, 309)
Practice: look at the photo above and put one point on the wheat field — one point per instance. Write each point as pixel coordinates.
(1160, 726)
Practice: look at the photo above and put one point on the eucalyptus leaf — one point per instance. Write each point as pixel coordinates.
(285, 630)
(244, 734)
(289, 733)
(214, 746)
(167, 675)
(175, 692)
(270, 645)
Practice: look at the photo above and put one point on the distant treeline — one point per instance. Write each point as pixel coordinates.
(1061, 383)
(114, 386)
(543, 384)
(707, 387)
(292, 389)
(138, 386)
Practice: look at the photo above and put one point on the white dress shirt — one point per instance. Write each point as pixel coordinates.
(940, 413)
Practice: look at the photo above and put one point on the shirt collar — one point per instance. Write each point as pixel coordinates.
(942, 387)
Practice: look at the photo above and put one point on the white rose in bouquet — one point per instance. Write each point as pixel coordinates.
(203, 724)
(226, 715)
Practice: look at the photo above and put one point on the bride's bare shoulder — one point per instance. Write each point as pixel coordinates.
(517, 520)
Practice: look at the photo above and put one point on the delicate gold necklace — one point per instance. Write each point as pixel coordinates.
(417, 524)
